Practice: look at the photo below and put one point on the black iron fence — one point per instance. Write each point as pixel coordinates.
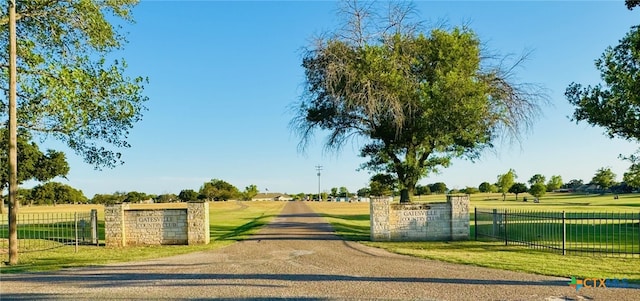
(610, 233)
(43, 231)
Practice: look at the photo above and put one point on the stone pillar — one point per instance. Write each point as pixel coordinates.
(198, 223)
(459, 216)
(114, 225)
(379, 218)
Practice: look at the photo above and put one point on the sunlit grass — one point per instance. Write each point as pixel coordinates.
(229, 222)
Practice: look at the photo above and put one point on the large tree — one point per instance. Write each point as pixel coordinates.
(53, 193)
(604, 178)
(59, 81)
(537, 179)
(632, 176)
(419, 99)
(67, 88)
(218, 190)
(34, 164)
(554, 183)
(518, 188)
(616, 105)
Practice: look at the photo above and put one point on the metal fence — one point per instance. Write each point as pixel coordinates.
(609, 234)
(43, 231)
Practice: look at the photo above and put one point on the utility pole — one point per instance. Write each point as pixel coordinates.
(13, 140)
(318, 169)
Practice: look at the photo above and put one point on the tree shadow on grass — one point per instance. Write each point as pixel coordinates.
(241, 232)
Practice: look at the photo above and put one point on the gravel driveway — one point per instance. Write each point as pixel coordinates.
(295, 257)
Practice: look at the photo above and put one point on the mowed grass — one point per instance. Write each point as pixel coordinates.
(351, 221)
(229, 222)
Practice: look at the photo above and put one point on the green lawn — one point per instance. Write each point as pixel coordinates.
(351, 221)
(230, 221)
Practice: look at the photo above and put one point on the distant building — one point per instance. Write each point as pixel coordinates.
(272, 196)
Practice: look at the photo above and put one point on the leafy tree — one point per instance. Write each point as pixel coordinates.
(423, 190)
(108, 199)
(484, 187)
(53, 193)
(188, 195)
(166, 198)
(34, 165)
(505, 181)
(518, 188)
(364, 192)
(554, 183)
(631, 3)
(334, 191)
(616, 106)
(632, 176)
(67, 87)
(438, 188)
(382, 185)
(249, 193)
(537, 190)
(537, 179)
(471, 190)
(419, 99)
(573, 184)
(343, 191)
(135, 197)
(604, 178)
(218, 190)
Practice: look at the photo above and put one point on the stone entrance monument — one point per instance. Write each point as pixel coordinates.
(126, 225)
(420, 221)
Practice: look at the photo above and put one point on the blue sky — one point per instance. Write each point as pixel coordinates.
(223, 74)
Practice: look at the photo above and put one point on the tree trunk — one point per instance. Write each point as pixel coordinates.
(13, 138)
(404, 196)
(407, 192)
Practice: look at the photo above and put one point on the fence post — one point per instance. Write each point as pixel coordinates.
(94, 227)
(504, 222)
(475, 222)
(564, 233)
(75, 218)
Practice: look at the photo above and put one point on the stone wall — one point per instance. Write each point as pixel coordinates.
(420, 221)
(126, 225)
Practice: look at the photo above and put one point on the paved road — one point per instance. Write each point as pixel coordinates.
(295, 257)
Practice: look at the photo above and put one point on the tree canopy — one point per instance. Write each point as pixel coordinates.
(418, 99)
(249, 192)
(67, 89)
(505, 181)
(604, 178)
(518, 188)
(616, 105)
(218, 190)
(34, 164)
(538, 190)
(53, 193)
(632, 176)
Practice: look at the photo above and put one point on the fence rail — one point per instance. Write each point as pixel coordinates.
(43, 231)
(606, 233)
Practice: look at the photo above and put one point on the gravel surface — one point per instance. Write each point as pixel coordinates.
(295, 257)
